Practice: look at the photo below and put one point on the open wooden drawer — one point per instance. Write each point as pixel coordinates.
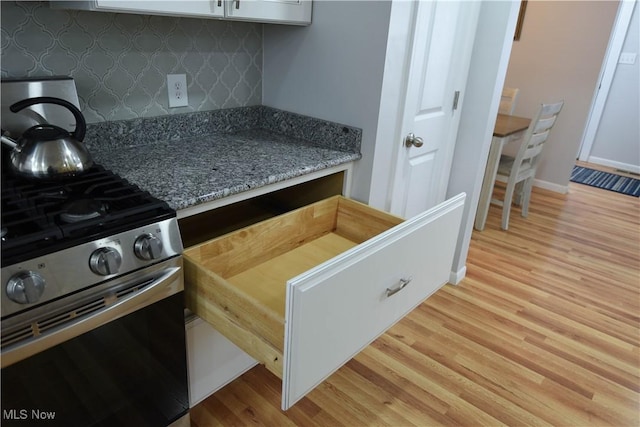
(304, 292)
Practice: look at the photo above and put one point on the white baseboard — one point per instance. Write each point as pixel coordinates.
(613, 164)
(557, 188)
(455, 277)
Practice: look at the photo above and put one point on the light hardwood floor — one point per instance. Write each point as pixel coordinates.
(544, 330)
(607, 169)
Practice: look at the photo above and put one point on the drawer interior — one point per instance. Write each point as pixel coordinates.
(238, 281)
(217, 222)
(265, 281)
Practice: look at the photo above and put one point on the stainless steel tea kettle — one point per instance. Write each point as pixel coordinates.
(46, 150)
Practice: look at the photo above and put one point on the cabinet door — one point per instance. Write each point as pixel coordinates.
(213, 360)
(194, 8)
(279, 11)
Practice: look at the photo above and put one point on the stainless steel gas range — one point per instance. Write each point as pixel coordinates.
(91, 302)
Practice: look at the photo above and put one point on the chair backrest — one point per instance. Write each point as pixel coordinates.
(508, 100)
(536, 135)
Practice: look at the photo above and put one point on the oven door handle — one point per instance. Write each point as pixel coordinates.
(168, 283)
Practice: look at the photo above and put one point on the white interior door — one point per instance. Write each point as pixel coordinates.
(439, 64)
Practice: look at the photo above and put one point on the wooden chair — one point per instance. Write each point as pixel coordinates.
(508, 100)
(522, 167)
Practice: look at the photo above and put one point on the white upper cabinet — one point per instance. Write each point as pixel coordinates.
(297, 12)
(189, 8)
(280, 11)
(194, 8)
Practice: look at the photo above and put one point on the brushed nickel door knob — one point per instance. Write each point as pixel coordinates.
(411, 139)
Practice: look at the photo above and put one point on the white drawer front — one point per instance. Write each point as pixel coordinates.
(336, 309)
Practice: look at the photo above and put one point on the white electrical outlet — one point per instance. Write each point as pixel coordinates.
(627, 58)
(177, 90)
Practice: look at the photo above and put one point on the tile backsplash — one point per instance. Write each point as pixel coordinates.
(120, 61)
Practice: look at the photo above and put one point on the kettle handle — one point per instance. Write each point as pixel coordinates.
(81, 124)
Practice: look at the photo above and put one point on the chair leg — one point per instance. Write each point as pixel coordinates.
(506, 205)
(519, 193)
(528, 184)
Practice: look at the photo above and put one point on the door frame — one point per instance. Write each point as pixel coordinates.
(609, 66)
(390, 116)
(494, 39)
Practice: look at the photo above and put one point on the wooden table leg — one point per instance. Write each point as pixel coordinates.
(487, 183)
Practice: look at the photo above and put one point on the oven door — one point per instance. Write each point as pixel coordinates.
(122, 365)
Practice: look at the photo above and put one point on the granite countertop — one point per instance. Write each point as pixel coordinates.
(210, 164)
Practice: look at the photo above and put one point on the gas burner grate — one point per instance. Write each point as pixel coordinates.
(36, 214)
(82, 209)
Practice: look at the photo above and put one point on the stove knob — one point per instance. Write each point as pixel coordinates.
(105, 261)
(25, 287)
(148, 247)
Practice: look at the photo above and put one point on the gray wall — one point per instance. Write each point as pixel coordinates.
(618, 137)
(120, 61)
(332, 70)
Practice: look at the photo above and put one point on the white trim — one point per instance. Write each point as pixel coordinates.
(551, 186)
(393, 91)
(456, 276)
(494, 40)
(618, 35)
(613, 164)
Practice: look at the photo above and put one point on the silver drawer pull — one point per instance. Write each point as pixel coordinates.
(401, 284)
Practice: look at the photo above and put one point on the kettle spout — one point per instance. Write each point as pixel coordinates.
(7, 140)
